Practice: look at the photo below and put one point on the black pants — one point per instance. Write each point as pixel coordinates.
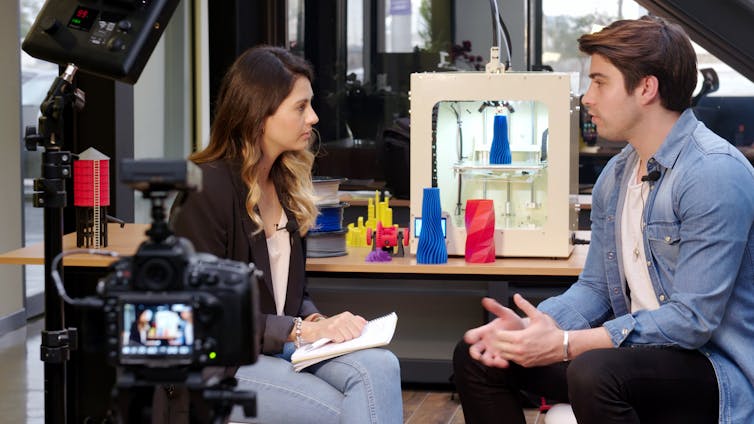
(624, 385)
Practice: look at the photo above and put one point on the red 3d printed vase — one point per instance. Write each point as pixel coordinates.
(480, 231)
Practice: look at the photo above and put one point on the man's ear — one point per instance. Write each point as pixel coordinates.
(648, 89)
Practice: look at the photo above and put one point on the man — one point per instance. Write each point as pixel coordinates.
(660, 325)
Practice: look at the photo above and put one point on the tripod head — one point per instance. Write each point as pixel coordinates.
(156, 178)
(60, 96)
(49, 190)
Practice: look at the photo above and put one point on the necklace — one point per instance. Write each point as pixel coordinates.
(640, 237)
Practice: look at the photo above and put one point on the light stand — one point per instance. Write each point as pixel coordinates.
(113, 39)
(50, 194)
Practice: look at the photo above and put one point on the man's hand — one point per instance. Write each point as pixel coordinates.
(531, 341)
(506, 320)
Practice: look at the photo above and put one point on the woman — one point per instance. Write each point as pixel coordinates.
(140, 328)
(256, 204)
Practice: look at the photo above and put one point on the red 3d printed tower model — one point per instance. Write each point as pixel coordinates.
(91, 197)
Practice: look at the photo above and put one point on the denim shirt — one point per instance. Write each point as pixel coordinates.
(699, 244)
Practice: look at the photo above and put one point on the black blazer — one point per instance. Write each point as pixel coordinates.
(216, 222)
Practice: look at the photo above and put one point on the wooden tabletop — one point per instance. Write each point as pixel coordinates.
(126, 240)
(355, 261)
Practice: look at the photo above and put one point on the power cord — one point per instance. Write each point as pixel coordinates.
(88, 302)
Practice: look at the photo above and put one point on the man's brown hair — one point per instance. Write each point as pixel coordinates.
(649, 46)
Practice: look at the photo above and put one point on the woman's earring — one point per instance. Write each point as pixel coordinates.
(317, 142)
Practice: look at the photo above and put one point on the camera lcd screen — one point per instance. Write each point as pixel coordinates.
(157, 330)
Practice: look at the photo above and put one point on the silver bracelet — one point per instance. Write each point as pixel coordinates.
(565, 346)
(297, 322)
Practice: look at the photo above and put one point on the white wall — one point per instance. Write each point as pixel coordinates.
(149, 120)
(149, 107)
(201, 77)
(11, 282)
(162, 101)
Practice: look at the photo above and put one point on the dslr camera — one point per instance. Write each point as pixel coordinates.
(168, 306)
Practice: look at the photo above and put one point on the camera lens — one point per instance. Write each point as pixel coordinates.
(155, 274)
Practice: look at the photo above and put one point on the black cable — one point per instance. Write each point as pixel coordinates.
(86, 301)
(498, 23)
(494, 23)
(507, 36)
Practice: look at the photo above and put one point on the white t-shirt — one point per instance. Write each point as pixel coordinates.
(635, 263)
(279, 251)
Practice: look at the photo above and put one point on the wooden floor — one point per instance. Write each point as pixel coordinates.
(438, 407)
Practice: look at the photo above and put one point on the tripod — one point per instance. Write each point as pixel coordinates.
(191, 396)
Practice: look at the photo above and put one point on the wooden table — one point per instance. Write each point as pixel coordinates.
(355, 262)
(125, 241)
(435, 303)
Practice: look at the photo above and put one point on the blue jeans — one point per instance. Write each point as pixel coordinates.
(360, 387)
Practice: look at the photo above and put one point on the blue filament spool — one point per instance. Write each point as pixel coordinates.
(330, 218)
(432, 249)
(500, 151)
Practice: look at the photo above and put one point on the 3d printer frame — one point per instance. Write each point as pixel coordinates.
(553, 235)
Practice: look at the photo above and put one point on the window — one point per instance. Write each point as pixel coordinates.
(563, 23)
(362, 68)
(36, 78)
(296, 26)
(727, 111)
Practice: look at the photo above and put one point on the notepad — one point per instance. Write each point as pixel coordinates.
(377, 332)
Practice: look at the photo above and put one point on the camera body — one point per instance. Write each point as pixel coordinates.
(168, 306)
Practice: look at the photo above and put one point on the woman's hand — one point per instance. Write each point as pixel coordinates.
(338, 328)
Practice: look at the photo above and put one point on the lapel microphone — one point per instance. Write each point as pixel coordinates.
(291, 226)
(652, 176)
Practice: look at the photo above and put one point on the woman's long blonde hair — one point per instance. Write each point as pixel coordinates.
(252, 89)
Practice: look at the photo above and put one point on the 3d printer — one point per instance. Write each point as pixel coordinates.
(453, 123)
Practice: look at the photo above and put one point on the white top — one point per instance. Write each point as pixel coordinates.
(635, 264)
(279, 251)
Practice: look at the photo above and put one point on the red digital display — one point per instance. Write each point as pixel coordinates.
(83, 18)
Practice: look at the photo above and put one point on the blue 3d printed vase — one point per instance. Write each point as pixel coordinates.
(500, 151)
(432, 249)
